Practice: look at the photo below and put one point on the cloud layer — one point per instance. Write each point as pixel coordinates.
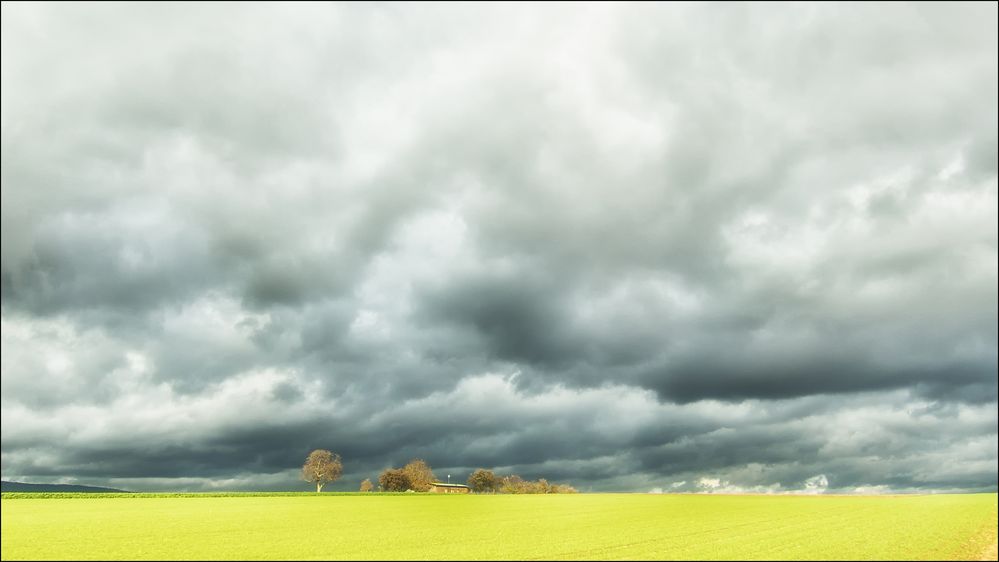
(632, 247)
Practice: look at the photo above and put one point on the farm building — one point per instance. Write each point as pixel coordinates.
(442, 488)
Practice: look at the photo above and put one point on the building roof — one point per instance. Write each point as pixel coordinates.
(446, 485)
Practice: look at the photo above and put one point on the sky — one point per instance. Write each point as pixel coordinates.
(630, 247)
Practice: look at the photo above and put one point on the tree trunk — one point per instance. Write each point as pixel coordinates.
(319, 487)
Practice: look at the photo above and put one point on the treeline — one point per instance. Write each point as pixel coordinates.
(486, 482)
(418, 477)
(322, 467)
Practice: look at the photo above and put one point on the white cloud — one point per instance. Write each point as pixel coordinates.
(655, 222)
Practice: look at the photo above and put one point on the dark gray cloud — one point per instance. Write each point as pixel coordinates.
(688, 248)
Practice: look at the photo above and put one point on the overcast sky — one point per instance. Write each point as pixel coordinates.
(629, 247)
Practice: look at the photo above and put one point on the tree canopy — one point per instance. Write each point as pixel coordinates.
(322, 467)
(483, 480)
(394, 480)
(419, 474)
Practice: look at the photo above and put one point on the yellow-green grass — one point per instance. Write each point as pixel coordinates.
(421, 526)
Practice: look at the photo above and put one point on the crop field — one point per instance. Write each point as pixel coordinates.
(423, 526)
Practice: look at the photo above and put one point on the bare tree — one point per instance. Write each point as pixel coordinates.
(563, 489)
(419, 474)
(366, 486)
(512, 484)
(322, 467)
(483, 480)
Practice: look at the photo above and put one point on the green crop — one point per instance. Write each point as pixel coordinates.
(428, 526)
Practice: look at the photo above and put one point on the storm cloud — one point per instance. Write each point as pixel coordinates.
(628, 246)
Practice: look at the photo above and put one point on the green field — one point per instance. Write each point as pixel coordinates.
(583, 526)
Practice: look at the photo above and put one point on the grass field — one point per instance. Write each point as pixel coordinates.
(583, 526)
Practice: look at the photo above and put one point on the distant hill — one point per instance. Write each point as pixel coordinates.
(23, 487)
